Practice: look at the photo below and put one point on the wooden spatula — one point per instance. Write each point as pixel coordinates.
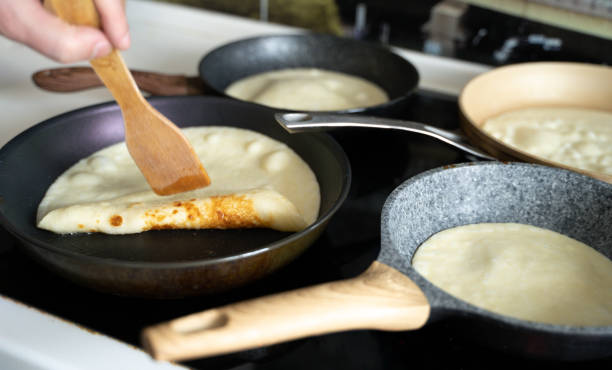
(159, 149)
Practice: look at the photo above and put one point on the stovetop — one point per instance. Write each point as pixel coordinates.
(380, 161)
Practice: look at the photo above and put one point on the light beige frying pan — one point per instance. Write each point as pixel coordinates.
(530, 85)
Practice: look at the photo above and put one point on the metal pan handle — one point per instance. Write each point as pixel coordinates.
(303, 122)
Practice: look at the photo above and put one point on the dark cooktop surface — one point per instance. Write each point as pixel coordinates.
(380, 160)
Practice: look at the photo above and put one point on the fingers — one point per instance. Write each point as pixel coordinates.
(114, 22)
(26, 21)
(61, 41)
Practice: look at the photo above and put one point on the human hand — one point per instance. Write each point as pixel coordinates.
(28, 22)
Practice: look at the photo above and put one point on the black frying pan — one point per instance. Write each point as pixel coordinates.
(231, 62)
(391, 295)
(375, 63)
(169, 263)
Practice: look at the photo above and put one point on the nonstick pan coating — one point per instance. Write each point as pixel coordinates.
(391, 295)
(163, 263)
(375, 63)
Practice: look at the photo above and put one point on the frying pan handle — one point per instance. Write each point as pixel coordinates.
(69, 79)
(66, 79)
(380, 298)
(301, 122)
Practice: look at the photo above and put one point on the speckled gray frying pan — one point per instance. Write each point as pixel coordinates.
(391, 295)
(558, 200)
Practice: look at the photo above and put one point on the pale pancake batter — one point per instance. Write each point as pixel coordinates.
(308, 89)
(256, 182)
(521, 271)
(576, 137)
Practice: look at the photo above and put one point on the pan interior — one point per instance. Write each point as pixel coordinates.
(33, 160)
(248, 57)
(563, 201)
(544, 84)
(528, 85)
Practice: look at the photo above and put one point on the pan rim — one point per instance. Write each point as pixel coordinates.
(25, 238)
(312, 34)
(467, 309)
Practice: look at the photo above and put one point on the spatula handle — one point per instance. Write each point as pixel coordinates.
(110, 68)
(380, 298)
(115, 74)
(79, 12)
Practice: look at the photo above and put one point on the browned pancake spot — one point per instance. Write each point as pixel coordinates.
(219, 212)
(116, 220)
(232, 211)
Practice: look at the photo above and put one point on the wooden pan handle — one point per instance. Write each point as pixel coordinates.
(69, 79)
(380, 298)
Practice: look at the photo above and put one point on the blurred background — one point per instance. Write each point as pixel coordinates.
(492, 32)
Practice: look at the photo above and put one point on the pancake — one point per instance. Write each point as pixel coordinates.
(257, 182)
(521, 271)
(576, 137)
(310, 89)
